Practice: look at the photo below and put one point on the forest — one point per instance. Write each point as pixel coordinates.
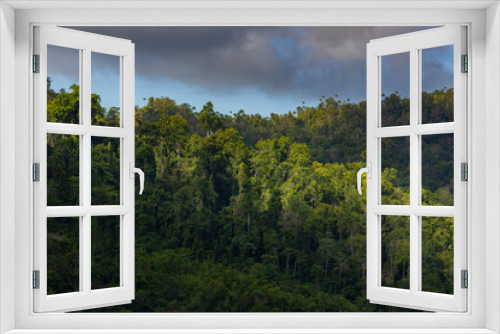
(246, 213)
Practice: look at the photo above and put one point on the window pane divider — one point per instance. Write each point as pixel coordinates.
(392, 210)
(86, 161)
(67, 129)
(422, 129)
(82, 130)
(109, 210)
(434, 211)
(80, 211)
(66, 211)
(434, 129)
(106, 131)
(415, 170)
(392, 131)
(418, 210)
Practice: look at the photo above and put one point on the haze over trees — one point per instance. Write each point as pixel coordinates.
(245, 213)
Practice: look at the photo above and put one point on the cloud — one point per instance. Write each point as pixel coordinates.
(437, 68)
(63, 62)
(347, 44)
(306, 62)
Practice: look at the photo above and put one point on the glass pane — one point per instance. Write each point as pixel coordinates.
(437, 254)
(63, 255)
(105, 85)
(63, 85)
(63, 170)
(437, 169)
(105, 171)
(396, 171)
(105, 252)
(395, 73)
(396, 251)
(437, 84)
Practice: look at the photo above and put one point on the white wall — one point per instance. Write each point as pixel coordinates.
(7, 162)
(492, 165)
(480, 105)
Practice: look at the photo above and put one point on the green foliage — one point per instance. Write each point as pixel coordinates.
(246, 213)
(65, 106)
(63, 268)
(63, 170)
(210, 121)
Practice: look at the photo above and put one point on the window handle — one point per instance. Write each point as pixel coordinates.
(368, 171)
(134, 170)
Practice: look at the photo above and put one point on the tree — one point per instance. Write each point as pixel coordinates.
(210, 121)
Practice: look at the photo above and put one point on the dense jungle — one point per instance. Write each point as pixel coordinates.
(247, 213)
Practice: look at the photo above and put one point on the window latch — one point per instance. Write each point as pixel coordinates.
(368, 171)
(134, 170)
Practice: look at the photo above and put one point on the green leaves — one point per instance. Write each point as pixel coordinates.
(210, 121)
(64, 107)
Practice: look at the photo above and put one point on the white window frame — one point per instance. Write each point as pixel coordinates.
(483, 21)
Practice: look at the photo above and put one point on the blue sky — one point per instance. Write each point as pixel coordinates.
(258, 69)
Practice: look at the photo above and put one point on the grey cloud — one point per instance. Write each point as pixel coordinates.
(395, 71)
(216, 58)
(436, 68)
(306, 62)
(348, 43)
(63, 61)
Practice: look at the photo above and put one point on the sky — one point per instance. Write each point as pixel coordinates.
(260, 70)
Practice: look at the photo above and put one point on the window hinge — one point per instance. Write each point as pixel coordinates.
(464, 168)
(465, 64)
(36, 279)
(465, 279)
(36, 63)
(36, 172)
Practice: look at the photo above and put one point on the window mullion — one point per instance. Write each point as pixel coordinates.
(85, 160)
(81, 240)
(122, 176)
(415, 167)
(419, 127)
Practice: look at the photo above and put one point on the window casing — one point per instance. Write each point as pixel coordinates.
(25, 319)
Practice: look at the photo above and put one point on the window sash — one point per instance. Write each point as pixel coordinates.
(85, 298)
(414, 297)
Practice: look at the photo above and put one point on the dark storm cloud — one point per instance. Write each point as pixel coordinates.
(64, 62)
(395, 71)
(211, 57)
(302, 61)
